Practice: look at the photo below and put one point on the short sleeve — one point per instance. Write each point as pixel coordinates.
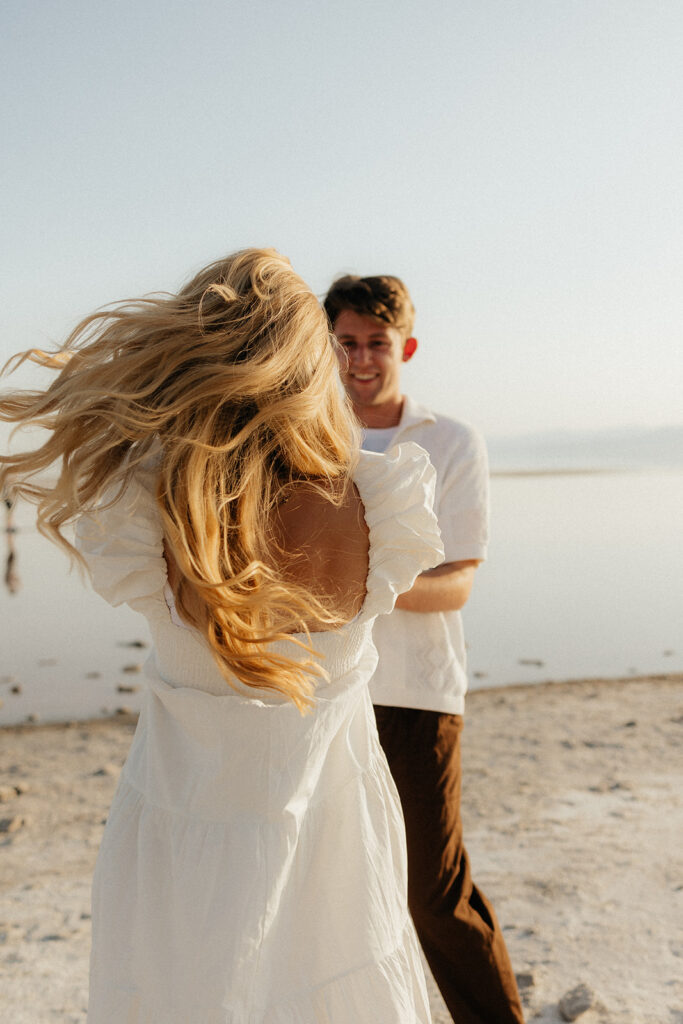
(397, 491)
(123, 546)
(462, 501)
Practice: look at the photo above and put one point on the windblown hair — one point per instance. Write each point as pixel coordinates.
(232, 384)
(385, 298)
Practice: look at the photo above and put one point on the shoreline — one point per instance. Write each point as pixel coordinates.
(125, 716)
(572, 808)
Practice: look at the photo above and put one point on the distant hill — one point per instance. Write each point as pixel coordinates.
(558, 450)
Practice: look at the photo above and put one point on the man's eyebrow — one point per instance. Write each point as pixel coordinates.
(379, 335)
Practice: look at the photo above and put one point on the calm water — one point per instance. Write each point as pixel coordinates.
(585, 577)
(585, 574)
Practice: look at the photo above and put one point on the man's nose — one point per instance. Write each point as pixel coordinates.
(361, 355)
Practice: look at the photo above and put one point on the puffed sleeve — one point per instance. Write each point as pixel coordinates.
(123, 546)
(397, 491)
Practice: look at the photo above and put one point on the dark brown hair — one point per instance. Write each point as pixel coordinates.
(384, 297)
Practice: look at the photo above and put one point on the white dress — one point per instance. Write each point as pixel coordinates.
(253, 866)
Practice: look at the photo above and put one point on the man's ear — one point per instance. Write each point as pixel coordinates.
(409, 349)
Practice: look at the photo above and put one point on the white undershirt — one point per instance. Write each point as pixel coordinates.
(378, 439)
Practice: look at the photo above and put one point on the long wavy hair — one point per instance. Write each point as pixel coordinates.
(232, 384)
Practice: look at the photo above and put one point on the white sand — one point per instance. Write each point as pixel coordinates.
(573, 803)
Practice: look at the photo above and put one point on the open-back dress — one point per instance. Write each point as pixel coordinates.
(253, 865)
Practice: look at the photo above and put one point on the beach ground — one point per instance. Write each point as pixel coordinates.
(573, 807)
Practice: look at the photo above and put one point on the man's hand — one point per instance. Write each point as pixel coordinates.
(444, 589)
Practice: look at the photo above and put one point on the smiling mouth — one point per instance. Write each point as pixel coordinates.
(364, 378)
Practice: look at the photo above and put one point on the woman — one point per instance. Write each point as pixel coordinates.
(253, 864)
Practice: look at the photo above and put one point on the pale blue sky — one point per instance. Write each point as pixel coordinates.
(519, 164)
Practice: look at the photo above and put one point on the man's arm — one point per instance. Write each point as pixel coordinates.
(444, 589)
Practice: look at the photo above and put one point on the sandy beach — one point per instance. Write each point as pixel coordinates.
(573, 805)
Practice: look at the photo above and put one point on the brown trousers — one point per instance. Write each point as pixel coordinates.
(455, 922)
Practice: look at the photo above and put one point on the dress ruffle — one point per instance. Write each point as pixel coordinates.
(124, 546)
(397, 490)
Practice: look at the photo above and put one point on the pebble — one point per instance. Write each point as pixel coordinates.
(93, 675)
(108, 769)
(127, 688)
(525, 983)
(140, 644)
(8, 793)
(124, 710)
(531, 661)
(132, 668)
(602, 744)
(16, 688)
(32, 719)
(12, 824)
(576, 1001)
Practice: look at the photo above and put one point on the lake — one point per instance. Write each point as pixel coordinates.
(584, 574)
(584, 578)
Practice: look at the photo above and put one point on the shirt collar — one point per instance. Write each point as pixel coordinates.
(413, 413)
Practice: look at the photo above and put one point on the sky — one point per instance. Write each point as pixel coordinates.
(519, 163)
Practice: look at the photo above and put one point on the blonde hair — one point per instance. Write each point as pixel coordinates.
(234, 380)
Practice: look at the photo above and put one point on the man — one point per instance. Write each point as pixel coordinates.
(419, 687)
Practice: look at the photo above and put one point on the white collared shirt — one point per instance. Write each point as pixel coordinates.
(422, 661)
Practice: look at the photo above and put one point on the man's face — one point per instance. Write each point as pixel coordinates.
(371, 367)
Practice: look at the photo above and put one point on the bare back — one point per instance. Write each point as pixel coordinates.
(326, 547)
